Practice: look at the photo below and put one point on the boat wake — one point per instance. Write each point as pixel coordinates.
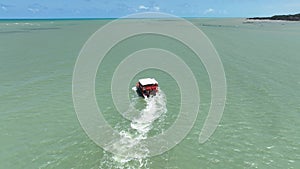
(131, 151)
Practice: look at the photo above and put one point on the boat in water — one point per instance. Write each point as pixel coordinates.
(147, 87)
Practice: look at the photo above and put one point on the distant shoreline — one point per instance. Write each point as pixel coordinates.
(295, 17)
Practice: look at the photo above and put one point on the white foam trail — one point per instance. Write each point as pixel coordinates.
(156, 106)
(133, 152)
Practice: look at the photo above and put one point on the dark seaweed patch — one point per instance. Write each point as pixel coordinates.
(8, 32)
(41, 29)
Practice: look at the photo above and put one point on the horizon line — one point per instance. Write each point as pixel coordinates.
(103, 18)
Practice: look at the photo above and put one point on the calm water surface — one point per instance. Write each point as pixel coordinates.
(259, 128)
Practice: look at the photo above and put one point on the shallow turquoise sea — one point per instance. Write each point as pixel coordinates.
(260, 124)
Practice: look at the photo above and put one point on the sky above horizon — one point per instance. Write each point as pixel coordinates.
(119, 8)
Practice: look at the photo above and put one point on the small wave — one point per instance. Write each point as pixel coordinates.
(20, 24)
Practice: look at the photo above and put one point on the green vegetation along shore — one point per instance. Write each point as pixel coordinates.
(295, 17)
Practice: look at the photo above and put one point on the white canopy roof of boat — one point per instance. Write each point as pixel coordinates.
(148, 81)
